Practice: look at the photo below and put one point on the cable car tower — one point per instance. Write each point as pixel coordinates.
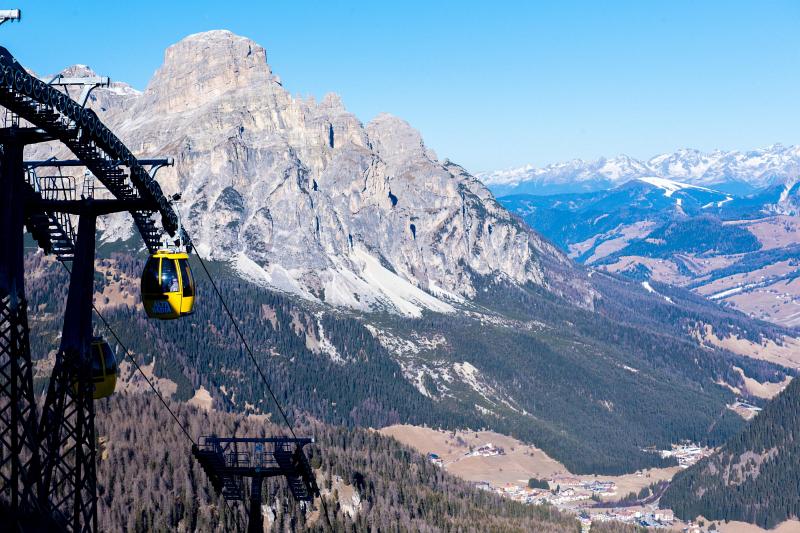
(47, 459)
(228, 460)
(47, 462)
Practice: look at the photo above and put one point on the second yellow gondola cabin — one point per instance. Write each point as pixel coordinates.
(167, 285)
(104, 369)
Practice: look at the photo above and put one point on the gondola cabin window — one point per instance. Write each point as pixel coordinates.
(169, 276)
(186, 276)
(150, 284)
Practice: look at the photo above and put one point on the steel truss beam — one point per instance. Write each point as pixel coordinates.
(227, 464)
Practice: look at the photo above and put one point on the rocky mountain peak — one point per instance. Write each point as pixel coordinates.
(78, 71)
(333, 102)
(301, 196)
(394, 138)
(202, 67)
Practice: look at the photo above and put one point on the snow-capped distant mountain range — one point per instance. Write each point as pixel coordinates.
(733, 172)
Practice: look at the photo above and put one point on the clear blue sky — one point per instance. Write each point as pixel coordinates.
(490, 84)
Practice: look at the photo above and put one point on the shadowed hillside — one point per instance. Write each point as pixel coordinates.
(755, 477)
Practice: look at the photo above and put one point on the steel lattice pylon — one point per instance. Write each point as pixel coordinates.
(48, 472)
(19, 457)
(69, 448)
(48, 462)
(226, 465)
(67, 423)
(19, 461)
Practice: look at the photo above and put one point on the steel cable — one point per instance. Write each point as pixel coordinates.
(246, 346)
(152, 386)
(258, 368)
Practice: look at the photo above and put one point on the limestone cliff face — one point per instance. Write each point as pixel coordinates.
(302, 196)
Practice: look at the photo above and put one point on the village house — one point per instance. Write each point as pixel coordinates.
(664, 515)
(435, 459)
(487, 450)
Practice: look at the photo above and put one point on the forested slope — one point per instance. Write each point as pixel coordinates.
(148, 480)
(591, 388)
(754, 477)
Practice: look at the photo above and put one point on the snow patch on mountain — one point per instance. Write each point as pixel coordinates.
(391, 288)
(785, 192)
(418, 360)
(372, 287)
(274, 276)
(670, 187)
(325, 345)
(123, 89)
(726, 293)
(472, 377)
(649, 288)
(420, 363)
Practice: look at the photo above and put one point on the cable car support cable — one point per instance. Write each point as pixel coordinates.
(246, 345)
(138, 368)
(261, 374)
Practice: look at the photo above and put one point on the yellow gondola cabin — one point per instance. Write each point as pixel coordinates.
(104, 369)
(167, 285)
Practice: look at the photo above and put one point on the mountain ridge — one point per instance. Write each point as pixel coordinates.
(730, 171)
(754, 477)
(737, 250)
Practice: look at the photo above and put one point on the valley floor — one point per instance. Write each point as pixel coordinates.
(504, 465)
